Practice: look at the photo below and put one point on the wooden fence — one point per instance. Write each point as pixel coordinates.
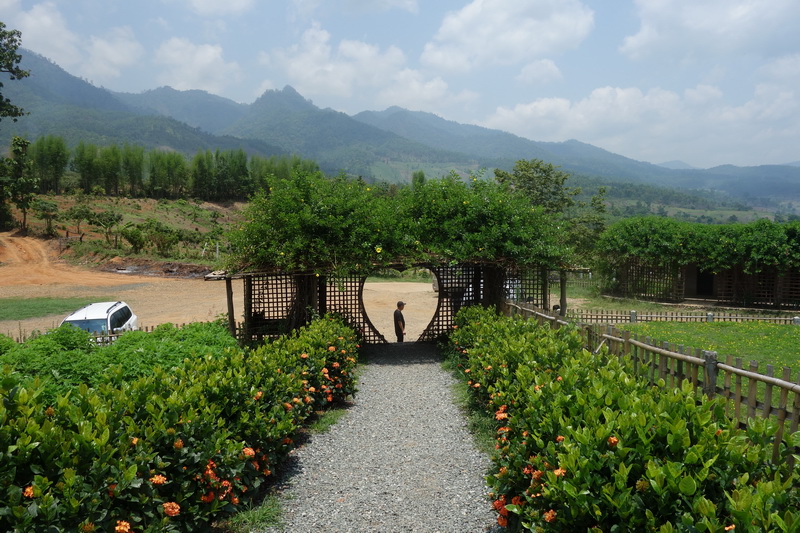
(749, 393)
(588, 316)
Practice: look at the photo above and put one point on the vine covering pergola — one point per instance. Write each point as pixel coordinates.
(309, 243)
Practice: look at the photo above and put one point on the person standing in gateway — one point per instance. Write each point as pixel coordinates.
(399, 321)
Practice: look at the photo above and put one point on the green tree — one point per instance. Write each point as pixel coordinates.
(47, 210)
(542, 183)
(10, 41)
(133, 168)
(77, 214)
(203, 176)
(85, 163)
(107, 221)
(418, 178)
(110, 168)
(50, 156)
(23, 183)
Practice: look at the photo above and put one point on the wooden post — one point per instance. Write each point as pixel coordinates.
(562, 277)
(710, 378)
(231, 317)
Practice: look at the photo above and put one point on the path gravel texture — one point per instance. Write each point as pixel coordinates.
(400, 460)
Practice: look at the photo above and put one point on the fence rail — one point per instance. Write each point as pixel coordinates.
(589, 316)
(748, 392)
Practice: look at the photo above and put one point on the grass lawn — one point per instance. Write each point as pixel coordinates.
(22, 308)
(774, 344)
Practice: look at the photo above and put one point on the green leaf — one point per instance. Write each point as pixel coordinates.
(687, 486)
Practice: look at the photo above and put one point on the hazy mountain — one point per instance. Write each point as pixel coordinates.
(59, 103)
(385, 145)
(198, 109)
(336, 140)
(676, 165)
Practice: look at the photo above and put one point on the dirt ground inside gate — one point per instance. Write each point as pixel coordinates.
(159, 293)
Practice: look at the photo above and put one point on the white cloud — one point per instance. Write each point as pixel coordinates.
(316, 67)
(383, 5)
(659, 125)
(45, 31)
(540, 72)
(490, 32)
(218, 8)
(690, 28)
(108, 54)
(195, 66)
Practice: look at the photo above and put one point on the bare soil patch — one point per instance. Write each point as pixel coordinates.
(164, 292)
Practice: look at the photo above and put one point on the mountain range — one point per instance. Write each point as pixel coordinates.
(386, 145)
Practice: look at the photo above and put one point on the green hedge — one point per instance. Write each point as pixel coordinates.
(172, 450)
(756, 246)
(584, 444)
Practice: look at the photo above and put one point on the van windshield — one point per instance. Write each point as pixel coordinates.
(96, 325)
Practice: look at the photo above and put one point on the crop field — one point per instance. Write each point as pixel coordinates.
(772, 344)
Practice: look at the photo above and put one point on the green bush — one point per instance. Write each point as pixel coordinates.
(172, 450)
(585, 444)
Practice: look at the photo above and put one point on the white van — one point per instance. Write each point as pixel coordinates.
(104, 318)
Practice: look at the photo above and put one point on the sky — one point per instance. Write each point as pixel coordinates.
(706, 82)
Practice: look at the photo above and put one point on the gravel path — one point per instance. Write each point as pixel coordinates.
(400, 460)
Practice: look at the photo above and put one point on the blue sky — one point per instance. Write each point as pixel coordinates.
(708, 82)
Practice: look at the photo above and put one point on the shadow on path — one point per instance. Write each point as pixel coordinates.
(400, 353)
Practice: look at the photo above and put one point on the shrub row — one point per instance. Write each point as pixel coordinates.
(67, 356)
(173, 450)
(584, 444)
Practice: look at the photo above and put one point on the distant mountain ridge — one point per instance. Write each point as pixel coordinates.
(384, 145)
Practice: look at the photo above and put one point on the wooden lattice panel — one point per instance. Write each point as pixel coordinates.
(640, 280)
(344, 296)
(272, 304)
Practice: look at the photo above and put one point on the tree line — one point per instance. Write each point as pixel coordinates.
(131, 170)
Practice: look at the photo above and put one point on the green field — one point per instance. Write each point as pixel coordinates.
(22, 308)
(773, 344)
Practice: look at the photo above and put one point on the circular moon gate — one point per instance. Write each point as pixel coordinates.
(277, 303)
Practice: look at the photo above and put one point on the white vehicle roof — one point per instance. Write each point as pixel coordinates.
(94, 311)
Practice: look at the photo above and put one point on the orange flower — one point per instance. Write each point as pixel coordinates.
(134, 441)
(499, 415)
(516, 500)
(477, 385)
(171, 509)
(303, 356)
(158, 479)
(537, 475)
(528, 470)
(344, 351)
(208, 497)
(111, 489)
(499, 503)
(122, 527)
(248, 452)
(287, 406)
(88, 527)
(178, 444)
(258, 395)
(335, 364)
(49, 411)
(550, 516)
(502, 521)
(613, 441)
(28, 492)
(559, 378)
(331, 348)
(560, 438)
(730, 527)
(560, 472)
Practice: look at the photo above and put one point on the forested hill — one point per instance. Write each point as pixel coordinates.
(377, 145)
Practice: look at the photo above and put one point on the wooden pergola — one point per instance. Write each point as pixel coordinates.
(276, 303)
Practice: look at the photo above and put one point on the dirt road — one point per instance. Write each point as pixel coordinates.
(32, 268)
